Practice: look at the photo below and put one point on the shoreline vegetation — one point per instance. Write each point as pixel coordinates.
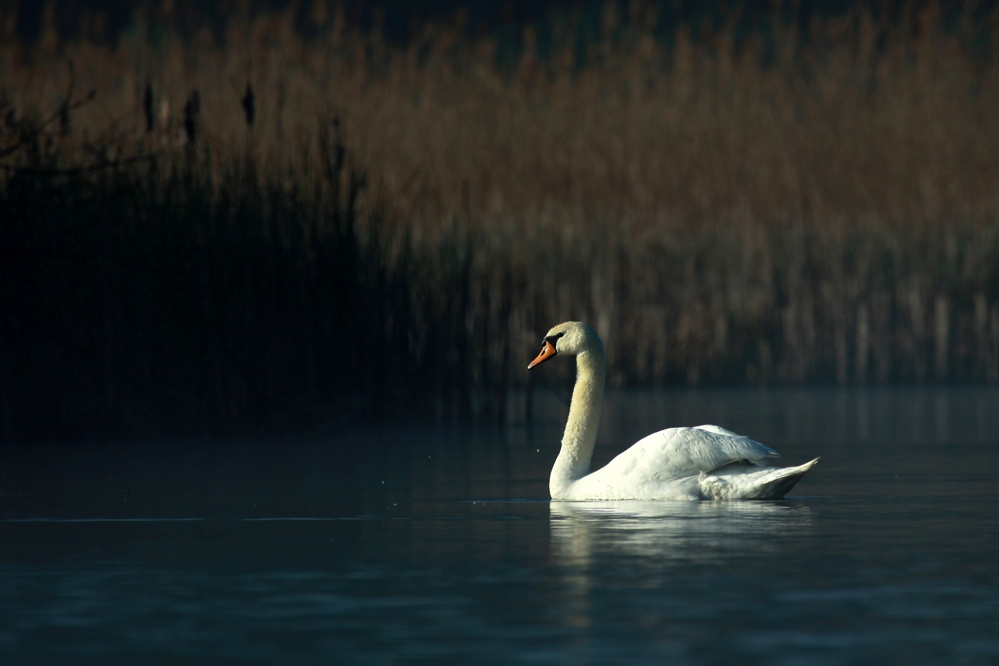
(264, 230)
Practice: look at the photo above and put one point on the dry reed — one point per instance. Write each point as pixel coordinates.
(790, 206)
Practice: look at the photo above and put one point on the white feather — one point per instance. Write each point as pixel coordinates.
(706, 462)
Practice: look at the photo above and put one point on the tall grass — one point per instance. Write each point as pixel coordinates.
(398, 226)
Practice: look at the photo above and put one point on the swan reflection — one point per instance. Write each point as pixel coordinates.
(671, 530)
(642, 540)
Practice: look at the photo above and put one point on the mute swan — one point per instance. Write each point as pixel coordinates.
(706, 462)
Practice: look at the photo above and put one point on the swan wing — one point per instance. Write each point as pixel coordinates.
(718, 430)
(680, 452)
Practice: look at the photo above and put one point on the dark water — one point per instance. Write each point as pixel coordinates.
(439, 546)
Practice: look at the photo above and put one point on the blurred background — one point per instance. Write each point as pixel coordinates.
(257, 216)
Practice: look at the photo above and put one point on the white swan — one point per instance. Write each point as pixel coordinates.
(706, 462)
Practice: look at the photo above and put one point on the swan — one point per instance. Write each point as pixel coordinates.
(706, 462)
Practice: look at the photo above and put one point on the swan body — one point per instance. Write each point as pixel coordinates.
(706, 462)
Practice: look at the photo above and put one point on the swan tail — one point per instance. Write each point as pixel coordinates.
(765, 484)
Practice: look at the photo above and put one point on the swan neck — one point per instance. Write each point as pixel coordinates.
(580, 436)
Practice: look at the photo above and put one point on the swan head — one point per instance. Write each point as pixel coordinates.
(571, 338)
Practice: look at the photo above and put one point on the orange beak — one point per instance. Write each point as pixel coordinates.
(547, 351)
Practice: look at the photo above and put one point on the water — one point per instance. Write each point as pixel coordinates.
(418, 545)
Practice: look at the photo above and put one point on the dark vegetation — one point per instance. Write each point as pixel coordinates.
(268, 232)
(147, 302)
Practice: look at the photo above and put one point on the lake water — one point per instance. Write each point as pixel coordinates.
(418, 545)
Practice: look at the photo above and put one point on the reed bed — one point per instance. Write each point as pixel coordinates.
(398, 226)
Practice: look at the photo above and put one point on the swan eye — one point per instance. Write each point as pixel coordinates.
(551, 340)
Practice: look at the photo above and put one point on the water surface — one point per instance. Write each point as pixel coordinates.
(428, 545)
